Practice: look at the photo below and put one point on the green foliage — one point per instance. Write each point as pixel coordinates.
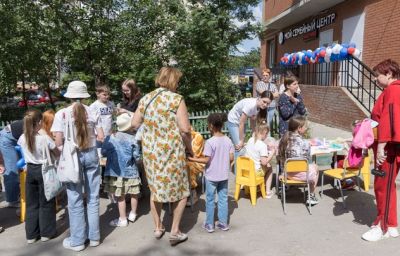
(107, 41)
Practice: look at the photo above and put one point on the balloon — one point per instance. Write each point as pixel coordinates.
(321, 60)
(328, 52)
(336, 49)
(345, 45)
(351, 50)
(309, 53)
(343, 53)
(327, 58)
(356, 53)
(322, 53)
(352, 45)
(21, 162)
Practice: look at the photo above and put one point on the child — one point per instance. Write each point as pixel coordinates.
(103, 108)
(257, 150)
(121, 173)
(41, 214)
(293, 145)
(218, 152)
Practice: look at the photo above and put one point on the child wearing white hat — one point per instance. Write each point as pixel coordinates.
(121, 175)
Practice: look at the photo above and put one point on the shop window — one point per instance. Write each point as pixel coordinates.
(271, 53)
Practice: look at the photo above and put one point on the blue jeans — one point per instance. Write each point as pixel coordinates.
(233, 130)
(90, 183)
(10, 156)
(221, 187)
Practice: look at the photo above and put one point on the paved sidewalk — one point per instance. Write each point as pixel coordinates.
(260, 230)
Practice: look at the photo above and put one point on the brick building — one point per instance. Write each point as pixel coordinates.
(296, 25)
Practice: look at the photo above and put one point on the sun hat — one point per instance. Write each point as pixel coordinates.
(123, 122)
(77, 90)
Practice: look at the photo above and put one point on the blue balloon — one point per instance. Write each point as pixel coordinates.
(321, 60)
(21, 162)
(343, 53)
(334, 57)
(309, 54)
(345, 45)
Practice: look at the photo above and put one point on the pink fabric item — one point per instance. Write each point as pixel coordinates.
(302, 176)
(363, 137)
(354, 157)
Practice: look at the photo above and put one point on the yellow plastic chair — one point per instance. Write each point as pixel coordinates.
(246, 176)
(340, 174)
(295, 165)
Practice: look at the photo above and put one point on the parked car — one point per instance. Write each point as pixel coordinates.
(36, 97)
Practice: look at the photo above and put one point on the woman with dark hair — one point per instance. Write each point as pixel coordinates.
(166, 142)
(386, 151)
(130, 95)
(255, 108)
(290, 103)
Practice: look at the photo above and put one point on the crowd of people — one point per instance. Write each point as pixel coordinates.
(154, 129)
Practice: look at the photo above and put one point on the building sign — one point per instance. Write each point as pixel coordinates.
(314, 25)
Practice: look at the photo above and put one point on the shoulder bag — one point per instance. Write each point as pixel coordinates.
(51, 183)
(68, 169)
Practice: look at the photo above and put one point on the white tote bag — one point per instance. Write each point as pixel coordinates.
(68, 169)
(51, 183)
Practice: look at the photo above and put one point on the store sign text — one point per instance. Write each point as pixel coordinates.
(314, 25)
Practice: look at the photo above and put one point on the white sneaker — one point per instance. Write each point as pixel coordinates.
(132, 217)
(270, 194)
(119, 223)
(67, 245)
(393, 232)
(94, 243)
(375, 234)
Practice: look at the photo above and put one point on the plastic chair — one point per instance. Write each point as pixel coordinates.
(246, 176)
(22, 182)
(340, 174)
(295, 165)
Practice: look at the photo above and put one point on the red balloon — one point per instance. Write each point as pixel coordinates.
(351, 50)
(322, 53)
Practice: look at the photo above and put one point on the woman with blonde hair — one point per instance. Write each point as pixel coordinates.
(166, 140)
(85, 125)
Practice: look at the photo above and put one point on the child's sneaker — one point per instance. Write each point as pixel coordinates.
(270, 194)
(313, 200)
(119, 223)
(393, 232)
(208, 227)
(132, 217)
(222, 226)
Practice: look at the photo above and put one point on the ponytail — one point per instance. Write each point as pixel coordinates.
(81, 125)
(32, 119)
(283, 145)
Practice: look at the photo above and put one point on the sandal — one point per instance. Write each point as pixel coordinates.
(158, 233)
(178, 238)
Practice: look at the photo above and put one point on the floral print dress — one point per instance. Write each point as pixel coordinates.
(164, 155)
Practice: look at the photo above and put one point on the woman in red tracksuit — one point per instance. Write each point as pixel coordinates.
(387, 151)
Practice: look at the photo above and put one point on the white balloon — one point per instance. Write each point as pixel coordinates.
(356, 53)
(327, 58)
(336, 49)
(328, 52)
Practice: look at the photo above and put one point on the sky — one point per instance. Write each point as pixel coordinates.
(247, 45)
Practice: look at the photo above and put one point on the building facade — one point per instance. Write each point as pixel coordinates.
(296, 25)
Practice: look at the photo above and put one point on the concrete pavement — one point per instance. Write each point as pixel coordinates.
(260, 230)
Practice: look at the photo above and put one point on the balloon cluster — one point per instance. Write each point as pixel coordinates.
(335, 52)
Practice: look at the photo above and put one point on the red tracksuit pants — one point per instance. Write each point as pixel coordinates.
(385, 189)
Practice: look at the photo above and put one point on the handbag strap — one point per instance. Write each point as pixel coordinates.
(69, 129)
(45, 151)
(144, 113)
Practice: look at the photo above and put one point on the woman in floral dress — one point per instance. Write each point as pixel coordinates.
(166, 140)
